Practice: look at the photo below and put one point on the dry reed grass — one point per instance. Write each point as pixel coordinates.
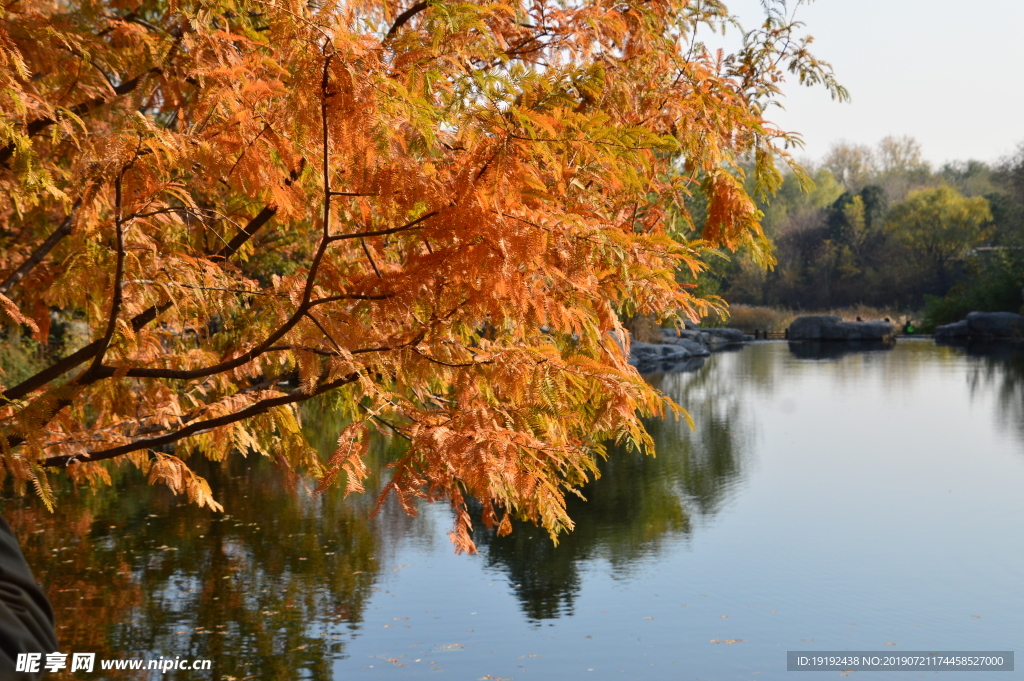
(750, 317)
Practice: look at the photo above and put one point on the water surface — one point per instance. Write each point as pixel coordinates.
(827, 501)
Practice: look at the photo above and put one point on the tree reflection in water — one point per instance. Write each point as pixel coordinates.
(639, 505)
(268, 590)
(999, 368)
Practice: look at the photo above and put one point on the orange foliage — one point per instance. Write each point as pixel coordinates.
(436, 216)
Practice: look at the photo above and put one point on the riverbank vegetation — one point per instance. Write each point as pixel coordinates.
(882, 228)
(749, 318)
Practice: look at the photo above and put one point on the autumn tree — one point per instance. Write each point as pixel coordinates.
(853, 165)
(432, 216)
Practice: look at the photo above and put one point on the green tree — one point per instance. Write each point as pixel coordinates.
(939, 226)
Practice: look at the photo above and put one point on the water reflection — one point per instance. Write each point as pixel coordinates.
(640, 504)
(998, 369)
(837, 349)
(282, 587)
(271, 590)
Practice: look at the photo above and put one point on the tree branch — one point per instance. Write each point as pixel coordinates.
(348, 296)
(323, 331)
(38, 125)
(404, 17)
(255, 409)
(262, 218)
(115, 303)
(449, 364)
(41, 251)
(76, 358)
(382, 232)
(369, 256)
(138, 322)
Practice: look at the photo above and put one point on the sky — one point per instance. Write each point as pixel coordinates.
(949, 74)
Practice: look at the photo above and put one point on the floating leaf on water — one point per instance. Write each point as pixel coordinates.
(450, 646)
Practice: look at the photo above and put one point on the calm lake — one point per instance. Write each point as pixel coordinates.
(861, 501)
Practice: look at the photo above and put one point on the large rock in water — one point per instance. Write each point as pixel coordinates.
(995, 325)
(955, 331)
(983, 326)
(832, 328)
(709, 339)
(650, 358)
(693, 346)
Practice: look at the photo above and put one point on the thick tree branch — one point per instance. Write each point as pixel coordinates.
(262, 218)
(76, 358)
(204, 372)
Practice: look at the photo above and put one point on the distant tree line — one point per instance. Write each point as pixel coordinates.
(881, 227)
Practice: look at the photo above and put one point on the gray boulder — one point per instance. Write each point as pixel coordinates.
(694, 346)
(724, 335)
(812, 327)
(689, 334)
(994, 325)
(649, 357)
(956, 330)
(833, 328)
(709, 339)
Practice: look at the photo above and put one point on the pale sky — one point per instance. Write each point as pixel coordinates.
(950, 74)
